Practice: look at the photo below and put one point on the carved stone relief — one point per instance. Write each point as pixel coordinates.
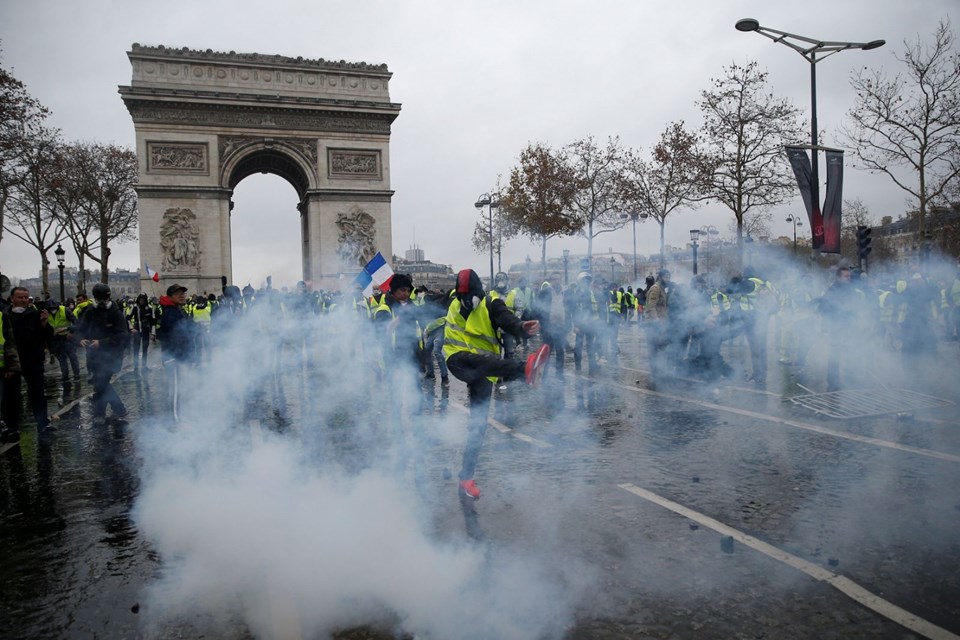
(357, 237)
(176, 157)
(344, 163)
(257, 118)
(180, 240)
(229, 144)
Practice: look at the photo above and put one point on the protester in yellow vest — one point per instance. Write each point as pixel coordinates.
(61, 320)
(472, 350)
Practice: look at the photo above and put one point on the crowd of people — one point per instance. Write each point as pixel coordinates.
(480, 337)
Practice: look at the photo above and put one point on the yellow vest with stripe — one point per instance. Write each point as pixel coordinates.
(58, 321)
(475, 334)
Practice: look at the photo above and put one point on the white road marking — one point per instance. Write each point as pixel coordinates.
(502, 428)
(845, 585)
(930, 453)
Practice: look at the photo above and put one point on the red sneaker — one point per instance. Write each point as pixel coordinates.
(535, 365)
(470, 489)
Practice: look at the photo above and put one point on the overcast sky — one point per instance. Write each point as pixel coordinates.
(477, 81)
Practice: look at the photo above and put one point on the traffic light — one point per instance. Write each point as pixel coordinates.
(863, 241)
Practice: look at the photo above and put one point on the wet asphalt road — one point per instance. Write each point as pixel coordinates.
(75, 566)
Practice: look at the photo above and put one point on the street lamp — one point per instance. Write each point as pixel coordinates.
(809, 48)
(613, 264)
(566, 259)
(797, 222)
(694, 236)
(529, 262)
(491, 202)
(59, 252)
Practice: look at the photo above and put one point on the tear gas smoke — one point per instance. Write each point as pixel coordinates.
(305, 513)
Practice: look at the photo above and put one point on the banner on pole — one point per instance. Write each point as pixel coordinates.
(803, 170)
(833, 203)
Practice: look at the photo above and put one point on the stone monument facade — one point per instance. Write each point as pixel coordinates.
(205, 120)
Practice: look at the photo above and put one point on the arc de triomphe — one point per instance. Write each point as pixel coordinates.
(205, 120)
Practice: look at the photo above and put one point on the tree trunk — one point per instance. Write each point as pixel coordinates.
(82, 275)
(663, 258)
(45, 272)
(740, 243)
(543, 262)
(590, 245)
(104, 257)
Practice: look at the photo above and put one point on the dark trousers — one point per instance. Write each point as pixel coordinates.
(103, 392)
(474, 369)
(556, 338)
(13, 398)
(140, 344)
(586, 338)
(66, 353)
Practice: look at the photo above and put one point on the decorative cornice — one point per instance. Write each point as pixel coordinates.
(350, 195)
(185, 53)
(196, 96)
(257, 117)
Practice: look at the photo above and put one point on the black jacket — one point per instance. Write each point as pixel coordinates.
(31, 336)
(109, 327)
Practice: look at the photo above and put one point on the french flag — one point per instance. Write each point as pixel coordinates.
(376, 273)
(153, 275)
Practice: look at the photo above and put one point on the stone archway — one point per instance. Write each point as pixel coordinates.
(205, 120)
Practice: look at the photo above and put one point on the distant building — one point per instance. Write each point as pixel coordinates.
(123, 282)
(424, 272)
(903, 240)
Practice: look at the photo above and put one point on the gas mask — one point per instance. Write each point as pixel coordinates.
(104, 304)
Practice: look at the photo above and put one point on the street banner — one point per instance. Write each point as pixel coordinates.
(833, 202)
(803, 170)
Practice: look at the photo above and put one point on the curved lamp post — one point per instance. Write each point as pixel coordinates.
(491, 202)
(809, 48)
(797, 222)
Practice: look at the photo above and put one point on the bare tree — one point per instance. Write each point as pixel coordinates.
(70, 167)
(745, 128)
(672, 179)
(756, 224)
(539, 196)
(911, 121)
(21, 121)
(29, 216)
(597, 197)
(111, 202)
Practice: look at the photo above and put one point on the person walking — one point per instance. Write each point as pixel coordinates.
(141, 329)
(62, 346)
(472, 350)
(103, 332)
(32, 334)
(655, 317)
(842, 307)
(177, 336)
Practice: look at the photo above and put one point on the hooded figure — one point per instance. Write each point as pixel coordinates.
(472, 351)
(103, 331)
